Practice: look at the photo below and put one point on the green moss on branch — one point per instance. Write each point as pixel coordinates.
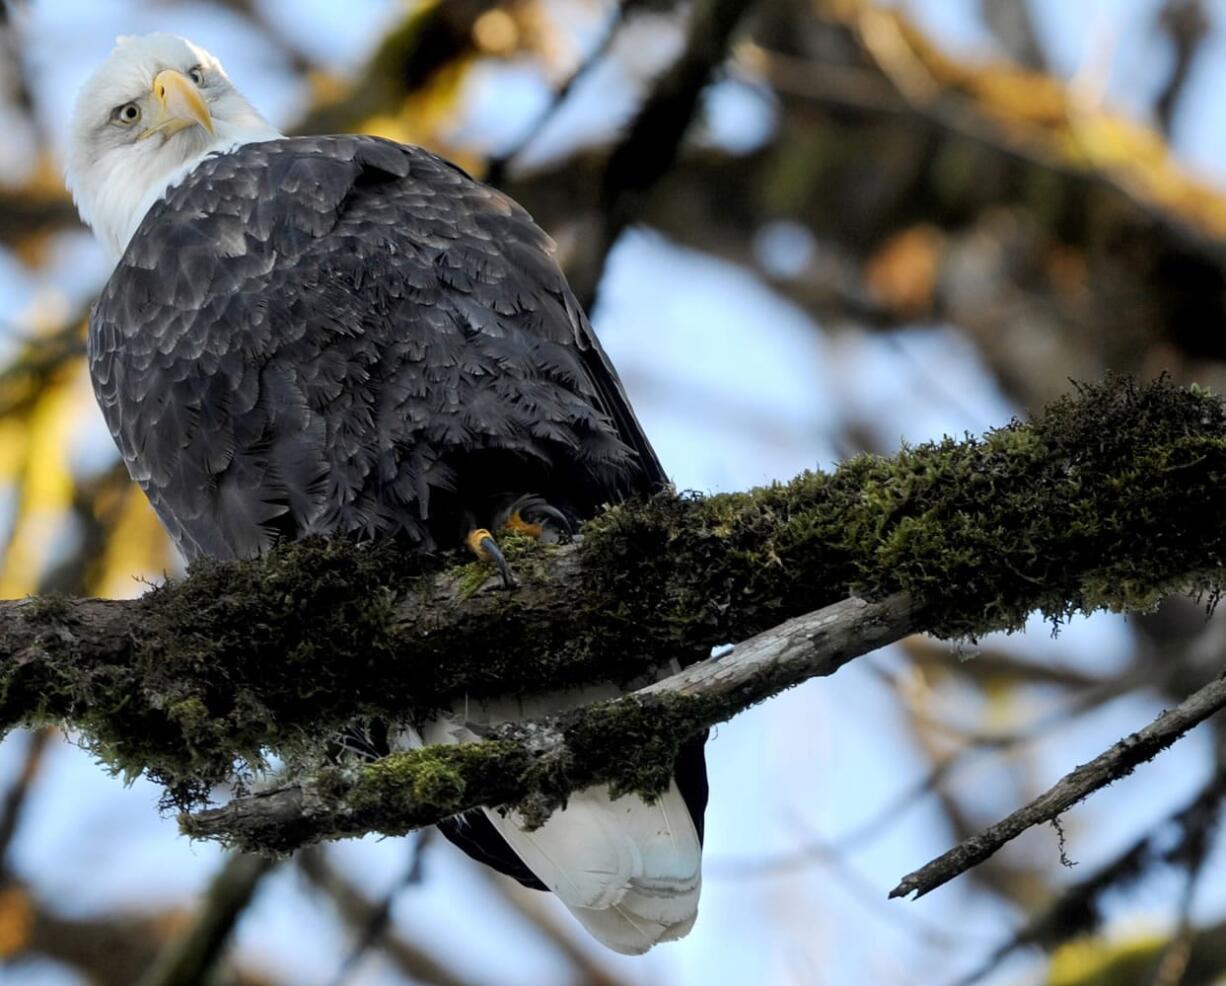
(1109, 499)
(631, 744)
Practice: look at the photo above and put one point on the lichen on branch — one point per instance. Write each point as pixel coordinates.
(1109, 498)
(630, 743)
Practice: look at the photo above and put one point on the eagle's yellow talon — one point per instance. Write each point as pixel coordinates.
(517, 524)
(476, 543)
(533, 516)
(482, 544)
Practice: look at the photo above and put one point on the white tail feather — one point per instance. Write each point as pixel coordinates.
(630, 871)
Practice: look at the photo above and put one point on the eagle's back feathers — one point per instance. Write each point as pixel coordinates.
(325, 334)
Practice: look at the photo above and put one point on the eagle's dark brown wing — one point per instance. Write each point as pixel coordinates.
(343, 334)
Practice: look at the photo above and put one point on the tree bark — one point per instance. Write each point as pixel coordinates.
(1109, 500)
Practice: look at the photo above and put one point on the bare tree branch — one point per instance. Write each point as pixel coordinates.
(110, 949)
(430, 37)
(190, 958)
(653, 139)
(1187, 25)
(1077, 911)
(497, 166)
(361, 914)
(534, 908)
(14, 799)
(1012, 21)
(1119, 761)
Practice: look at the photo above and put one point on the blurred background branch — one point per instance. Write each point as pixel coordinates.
(192, 956)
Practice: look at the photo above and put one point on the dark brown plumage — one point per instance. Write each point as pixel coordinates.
(342, 335)
(345, 335)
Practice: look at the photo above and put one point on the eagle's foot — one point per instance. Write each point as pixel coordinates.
(529, 515)
(533, 516)
(482, 544)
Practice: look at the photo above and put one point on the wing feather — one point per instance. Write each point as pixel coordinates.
(372, 333)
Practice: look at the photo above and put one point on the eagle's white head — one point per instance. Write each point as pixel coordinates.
(144, 119)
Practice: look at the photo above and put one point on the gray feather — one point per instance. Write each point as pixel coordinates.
(342, 334)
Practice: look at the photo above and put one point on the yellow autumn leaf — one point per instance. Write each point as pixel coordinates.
(12, 448)
(45, 487)
(326, 87)
(137, 546)
(1051, 115)
(1098, 962)
(16, 921)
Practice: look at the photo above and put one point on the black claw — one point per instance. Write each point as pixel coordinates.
(490, 547)
(556, 515)
(534, 510)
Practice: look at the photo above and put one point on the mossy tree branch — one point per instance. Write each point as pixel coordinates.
(1109, 499)
(629, 742)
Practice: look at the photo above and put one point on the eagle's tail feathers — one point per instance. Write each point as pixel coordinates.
(630, 871)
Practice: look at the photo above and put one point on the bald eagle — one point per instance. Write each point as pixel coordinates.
(347, 336)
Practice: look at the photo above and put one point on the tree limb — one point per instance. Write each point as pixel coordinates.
(1119, 761)
(428, 38)
(496, 167)
(13, 802)
(1110, 499)
(192, 957)
(545, 759)
(650, 145)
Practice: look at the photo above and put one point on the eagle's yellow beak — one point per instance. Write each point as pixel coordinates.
(179, 103)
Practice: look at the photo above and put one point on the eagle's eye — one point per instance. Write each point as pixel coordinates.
(126, 115)
(196, 74)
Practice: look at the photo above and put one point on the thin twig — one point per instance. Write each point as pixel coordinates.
(832, 856)
(379, 917)
(650, 145)
(189, 959)
(1117, 762)
(1077, 910)
(973, 748)
(497, 169)
(361, 914)
(1012, 22)
(1187, 25)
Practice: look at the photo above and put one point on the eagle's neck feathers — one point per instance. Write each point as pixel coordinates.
(122, 189)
